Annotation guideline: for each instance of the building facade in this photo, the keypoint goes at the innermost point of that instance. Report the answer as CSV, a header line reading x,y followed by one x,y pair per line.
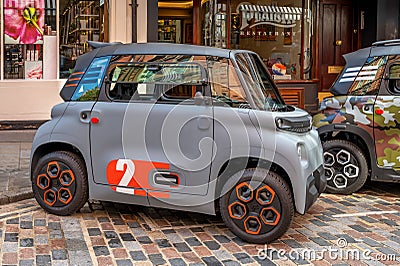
x,y
300,41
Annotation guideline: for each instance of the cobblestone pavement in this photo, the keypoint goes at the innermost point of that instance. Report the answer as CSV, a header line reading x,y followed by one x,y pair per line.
x,y
119,234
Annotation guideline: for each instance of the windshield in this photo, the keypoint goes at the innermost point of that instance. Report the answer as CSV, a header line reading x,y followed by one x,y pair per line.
x,y
263,93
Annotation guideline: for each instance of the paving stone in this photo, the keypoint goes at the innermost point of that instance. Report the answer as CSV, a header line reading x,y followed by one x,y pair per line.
x,y
94,231
144,240
193,241
41,240
43,260
101,251
359,228
59,254
115,243
40,222
222,239
157,259
26,263
211,261
124,263
9,247
292,243
177,262
163,243
320,241
371,242
182,247
110,234
75,244
127,237
26,225
212,245
137,255
26,242
79,257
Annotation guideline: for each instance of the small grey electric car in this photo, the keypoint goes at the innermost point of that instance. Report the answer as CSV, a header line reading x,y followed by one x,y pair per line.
x,y
184,127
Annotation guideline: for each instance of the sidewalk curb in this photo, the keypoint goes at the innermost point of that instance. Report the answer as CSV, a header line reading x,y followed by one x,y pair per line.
x,y
16,197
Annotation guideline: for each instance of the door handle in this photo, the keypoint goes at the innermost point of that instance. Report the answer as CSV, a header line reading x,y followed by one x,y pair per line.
x,y
368,109
84,116
338,42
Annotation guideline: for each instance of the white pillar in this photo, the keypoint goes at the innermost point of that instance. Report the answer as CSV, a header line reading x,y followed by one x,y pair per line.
x,y
142,21
120,23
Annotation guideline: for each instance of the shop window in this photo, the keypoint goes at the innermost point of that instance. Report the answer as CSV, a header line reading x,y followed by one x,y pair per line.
x,y
271,29
169,30
28,36
80,22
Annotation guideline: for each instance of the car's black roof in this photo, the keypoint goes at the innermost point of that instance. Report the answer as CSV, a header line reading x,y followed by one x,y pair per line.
x,y
161,48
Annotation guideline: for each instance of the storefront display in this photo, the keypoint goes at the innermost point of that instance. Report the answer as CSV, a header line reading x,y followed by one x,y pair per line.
x,y
80,23
169,30
26,23
272,30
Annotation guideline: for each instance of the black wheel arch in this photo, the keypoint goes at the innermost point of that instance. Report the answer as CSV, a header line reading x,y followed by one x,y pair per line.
x,y
356,135
232,166
51,147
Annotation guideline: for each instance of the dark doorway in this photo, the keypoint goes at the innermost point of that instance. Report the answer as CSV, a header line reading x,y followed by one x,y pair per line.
x,y
338,35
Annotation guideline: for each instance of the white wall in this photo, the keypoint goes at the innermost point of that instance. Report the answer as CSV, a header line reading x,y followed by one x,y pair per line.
x,y
120,21
28,99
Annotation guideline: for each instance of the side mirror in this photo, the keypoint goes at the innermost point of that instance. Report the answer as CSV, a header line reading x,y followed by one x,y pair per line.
x,y
198,98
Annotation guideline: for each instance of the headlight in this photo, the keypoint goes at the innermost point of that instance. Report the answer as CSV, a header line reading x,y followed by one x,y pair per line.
x,y
302,153
295,124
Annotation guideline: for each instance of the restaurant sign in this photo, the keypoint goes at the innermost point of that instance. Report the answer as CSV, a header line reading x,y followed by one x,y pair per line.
x,y
255,15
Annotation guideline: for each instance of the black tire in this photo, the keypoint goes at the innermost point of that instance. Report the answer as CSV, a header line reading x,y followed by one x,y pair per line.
x,y
59,183
282,202
344,184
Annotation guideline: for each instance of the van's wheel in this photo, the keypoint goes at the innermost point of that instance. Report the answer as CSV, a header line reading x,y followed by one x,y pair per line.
x,y
259,208
346,168
59,183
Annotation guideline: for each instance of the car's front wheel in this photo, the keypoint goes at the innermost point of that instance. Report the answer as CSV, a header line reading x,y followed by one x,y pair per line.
x,y
346,168
259,208
59,183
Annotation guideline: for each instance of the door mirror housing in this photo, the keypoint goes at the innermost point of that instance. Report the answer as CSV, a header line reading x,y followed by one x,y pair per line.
x,y
198,98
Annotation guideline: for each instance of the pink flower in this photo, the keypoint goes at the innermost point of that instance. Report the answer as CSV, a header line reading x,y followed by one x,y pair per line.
x,y
24,19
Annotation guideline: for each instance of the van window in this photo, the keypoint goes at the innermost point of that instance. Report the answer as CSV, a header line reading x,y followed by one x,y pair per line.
x,y
394,79
368,79
155,82
89,86
226,89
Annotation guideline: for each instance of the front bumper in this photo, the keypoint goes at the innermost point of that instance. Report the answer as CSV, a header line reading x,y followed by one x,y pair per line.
x,y
316,184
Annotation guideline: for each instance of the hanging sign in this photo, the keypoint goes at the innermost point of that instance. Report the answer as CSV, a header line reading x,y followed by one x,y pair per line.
x,y
254,15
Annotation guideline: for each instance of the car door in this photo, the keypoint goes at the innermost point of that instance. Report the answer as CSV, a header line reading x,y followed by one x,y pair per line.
x,y
153,137
387,117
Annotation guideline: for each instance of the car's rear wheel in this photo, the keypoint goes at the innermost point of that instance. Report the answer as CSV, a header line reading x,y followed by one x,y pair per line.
x,y
346,168
259,208
59,183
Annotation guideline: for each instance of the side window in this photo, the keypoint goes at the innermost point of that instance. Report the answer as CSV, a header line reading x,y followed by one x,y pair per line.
x,y
225,85
394,78
368,79
154,82
89,86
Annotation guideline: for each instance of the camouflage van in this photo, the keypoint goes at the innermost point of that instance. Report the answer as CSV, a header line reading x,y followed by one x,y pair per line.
x,y
360,125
